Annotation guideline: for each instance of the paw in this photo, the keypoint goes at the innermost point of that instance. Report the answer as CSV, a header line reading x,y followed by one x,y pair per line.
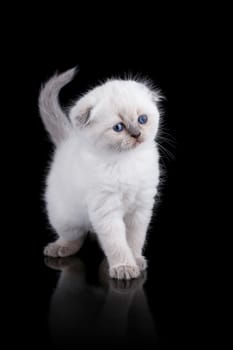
x,y
56,250
126,272
141,262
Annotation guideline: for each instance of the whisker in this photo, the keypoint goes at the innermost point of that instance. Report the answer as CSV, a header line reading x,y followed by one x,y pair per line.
x,y
167,135
165,140
166,152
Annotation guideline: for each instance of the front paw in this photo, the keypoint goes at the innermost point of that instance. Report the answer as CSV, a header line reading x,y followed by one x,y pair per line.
x,y
56,250
141,262
126,272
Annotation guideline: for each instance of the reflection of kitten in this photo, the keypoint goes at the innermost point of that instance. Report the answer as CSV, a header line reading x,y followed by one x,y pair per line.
x,y
105,171
83,313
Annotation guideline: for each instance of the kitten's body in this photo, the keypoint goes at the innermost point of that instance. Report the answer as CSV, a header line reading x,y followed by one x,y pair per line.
x,y
101,180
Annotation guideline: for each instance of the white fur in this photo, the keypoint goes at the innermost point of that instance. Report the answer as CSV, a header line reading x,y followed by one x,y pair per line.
x,y
103,181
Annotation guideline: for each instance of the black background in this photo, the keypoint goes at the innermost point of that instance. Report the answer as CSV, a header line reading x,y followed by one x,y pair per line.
x,y
168,55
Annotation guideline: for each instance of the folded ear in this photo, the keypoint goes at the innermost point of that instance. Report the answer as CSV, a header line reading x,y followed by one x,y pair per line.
x,y
83,117
80,114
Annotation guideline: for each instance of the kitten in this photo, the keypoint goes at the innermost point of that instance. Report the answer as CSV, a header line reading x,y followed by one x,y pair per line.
x,y
105,170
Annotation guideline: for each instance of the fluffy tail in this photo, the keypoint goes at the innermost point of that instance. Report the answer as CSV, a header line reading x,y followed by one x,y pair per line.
x,y
55,120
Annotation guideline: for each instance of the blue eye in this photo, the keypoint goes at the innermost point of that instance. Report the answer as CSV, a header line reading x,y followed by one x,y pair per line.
x,y
118,127
142,119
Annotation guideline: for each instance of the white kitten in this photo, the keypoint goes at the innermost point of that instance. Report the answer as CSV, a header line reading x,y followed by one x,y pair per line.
x,y
105,171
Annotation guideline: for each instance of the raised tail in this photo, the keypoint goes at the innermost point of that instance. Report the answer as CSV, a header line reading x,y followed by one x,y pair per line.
x,y
54,118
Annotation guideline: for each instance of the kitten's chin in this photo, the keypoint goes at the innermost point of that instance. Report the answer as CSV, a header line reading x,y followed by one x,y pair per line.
x,y
125,146
134,144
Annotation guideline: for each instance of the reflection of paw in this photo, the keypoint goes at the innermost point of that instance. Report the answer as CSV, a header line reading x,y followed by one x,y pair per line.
x,y
60,263
57,250
127,286
124,272
141,262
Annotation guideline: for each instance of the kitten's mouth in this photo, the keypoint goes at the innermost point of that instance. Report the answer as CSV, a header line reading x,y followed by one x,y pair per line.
x,y
137,142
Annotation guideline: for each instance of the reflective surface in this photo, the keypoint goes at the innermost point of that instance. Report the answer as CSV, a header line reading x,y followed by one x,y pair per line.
x,y
97,311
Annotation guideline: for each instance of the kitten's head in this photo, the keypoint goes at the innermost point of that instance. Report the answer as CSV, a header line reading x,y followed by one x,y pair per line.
x,y
118,115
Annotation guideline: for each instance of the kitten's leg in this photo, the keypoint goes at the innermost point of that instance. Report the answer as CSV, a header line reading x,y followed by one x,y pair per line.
x,y
112,238
69,242
110,228
137,224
